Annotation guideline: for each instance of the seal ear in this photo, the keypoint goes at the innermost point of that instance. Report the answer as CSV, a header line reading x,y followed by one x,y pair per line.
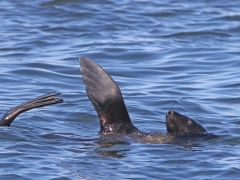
x,y
104,93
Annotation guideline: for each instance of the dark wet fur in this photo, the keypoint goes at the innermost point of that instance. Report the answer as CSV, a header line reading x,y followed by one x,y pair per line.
x,y
120,128
44,100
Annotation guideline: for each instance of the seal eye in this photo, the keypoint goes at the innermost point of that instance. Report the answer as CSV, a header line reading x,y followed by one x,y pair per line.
x,y
189,122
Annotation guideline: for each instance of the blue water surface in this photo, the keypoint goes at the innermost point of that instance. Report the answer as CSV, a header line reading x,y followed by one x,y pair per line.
x,y
180,55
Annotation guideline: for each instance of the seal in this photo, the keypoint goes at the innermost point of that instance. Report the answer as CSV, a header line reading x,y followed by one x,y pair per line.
x,y
44,100
108,102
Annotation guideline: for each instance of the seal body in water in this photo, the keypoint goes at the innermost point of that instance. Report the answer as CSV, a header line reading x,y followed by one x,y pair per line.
x,y
108,102
44,100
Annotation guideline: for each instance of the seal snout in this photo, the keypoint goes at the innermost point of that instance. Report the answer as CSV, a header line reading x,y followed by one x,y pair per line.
x,y
169,123
170,113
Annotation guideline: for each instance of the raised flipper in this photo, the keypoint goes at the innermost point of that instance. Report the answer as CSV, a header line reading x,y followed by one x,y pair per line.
x,y
44,100
106,98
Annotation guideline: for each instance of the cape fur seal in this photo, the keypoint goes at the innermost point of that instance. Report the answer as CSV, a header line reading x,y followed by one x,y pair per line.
x,y
108,102
44,100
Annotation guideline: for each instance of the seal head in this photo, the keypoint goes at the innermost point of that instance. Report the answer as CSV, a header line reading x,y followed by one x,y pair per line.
x,y
178,123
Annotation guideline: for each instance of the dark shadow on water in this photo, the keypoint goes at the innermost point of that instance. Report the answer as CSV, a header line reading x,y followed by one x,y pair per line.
x,y
114,151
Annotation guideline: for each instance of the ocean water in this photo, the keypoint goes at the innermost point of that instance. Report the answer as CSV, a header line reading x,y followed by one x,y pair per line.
x,y
180,55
